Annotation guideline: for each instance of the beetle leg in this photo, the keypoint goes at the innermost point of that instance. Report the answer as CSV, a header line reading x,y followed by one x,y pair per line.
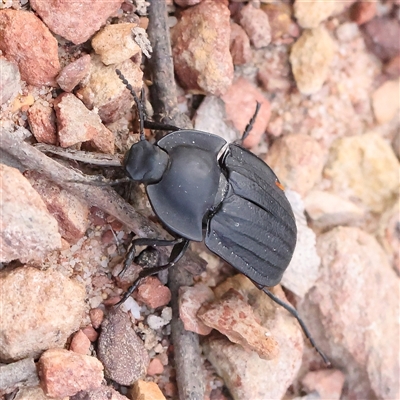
x,y
299,320
130,255
160,127
179,249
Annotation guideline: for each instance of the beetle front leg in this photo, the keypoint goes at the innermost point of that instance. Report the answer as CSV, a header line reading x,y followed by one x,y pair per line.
x,y
179,249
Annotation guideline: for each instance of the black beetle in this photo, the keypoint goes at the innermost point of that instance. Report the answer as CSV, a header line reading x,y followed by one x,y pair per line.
x,y
203,188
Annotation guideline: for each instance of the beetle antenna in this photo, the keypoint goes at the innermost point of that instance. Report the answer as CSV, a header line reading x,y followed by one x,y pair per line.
x,y
299,320
249,126
139,103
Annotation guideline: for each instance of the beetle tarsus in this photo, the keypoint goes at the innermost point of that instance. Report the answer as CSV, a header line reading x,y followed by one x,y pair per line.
x,y
299,320
179,249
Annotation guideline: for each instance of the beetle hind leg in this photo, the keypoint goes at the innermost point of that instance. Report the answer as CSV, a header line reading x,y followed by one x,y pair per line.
x,y
299,320
179,249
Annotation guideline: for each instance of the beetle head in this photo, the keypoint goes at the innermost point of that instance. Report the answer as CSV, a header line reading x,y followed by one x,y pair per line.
x,y
145,162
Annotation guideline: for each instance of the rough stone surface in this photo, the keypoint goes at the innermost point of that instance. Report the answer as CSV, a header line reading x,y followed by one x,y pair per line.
x,y
246,375
190,300
311,57
51,306
327,383
146,391
386,101
239,45
256,24
26,40
18,375
115,44
80,343
200,48
382,37
389,234
282,26
363,169
114,98
71,213
357,290
310,13
234,318
302,271
153,293
101,393
65,18
65,373
32,393
77,124
298,161
240,104
10,81
28,231
327,210
120,350
42,122
74,73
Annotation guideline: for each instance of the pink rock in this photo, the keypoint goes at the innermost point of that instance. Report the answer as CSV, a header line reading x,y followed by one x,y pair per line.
x,y
77,124
153,293
234,318
200,47
36,52
328,383
90,332
240,104
96,317
74,73
27,230
71,213
386,101
190,300
357,289
73,22
239,45
246,375
52,306
80,343
114,99
42,122
363,11
280,21
155,367
65,373
382,37
297,160
256,24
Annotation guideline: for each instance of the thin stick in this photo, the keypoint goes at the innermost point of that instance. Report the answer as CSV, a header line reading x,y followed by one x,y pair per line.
x,y
188,363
